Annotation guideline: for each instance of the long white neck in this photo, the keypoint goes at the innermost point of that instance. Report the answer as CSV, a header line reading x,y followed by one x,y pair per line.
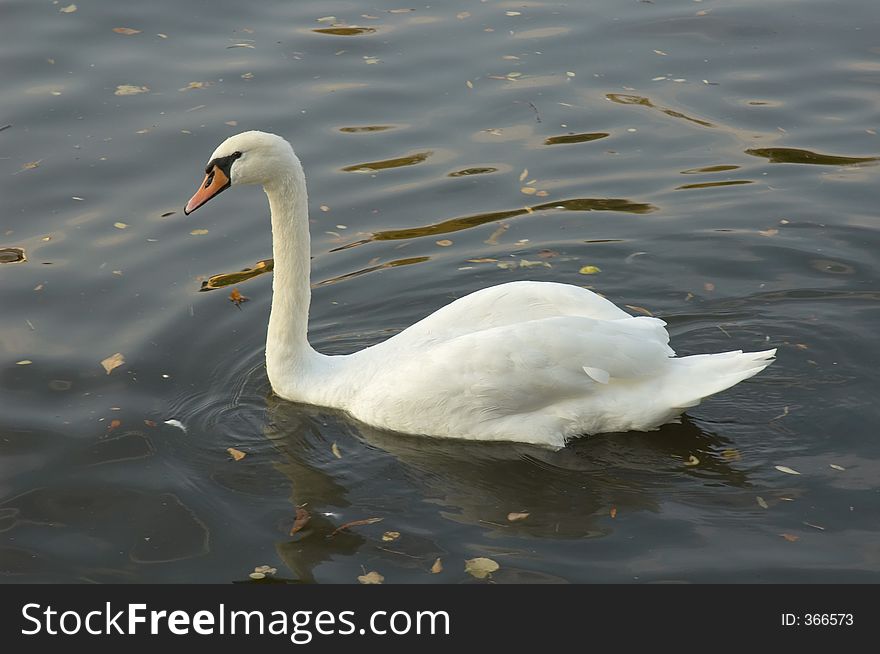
x,y
290,360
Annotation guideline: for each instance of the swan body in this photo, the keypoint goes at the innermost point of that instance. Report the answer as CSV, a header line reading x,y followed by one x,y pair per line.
x,y
535,362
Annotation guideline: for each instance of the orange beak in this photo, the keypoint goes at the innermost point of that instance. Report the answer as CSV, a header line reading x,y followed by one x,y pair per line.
x,y
215,182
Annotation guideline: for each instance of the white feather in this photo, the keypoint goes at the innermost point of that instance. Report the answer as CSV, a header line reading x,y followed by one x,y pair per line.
x,y
536,362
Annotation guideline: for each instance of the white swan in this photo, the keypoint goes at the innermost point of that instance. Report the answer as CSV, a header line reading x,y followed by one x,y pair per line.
x,y
535,362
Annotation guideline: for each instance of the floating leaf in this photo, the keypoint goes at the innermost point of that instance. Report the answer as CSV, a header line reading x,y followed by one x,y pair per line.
x,y
528,190
589,270
787,470
444,243
114,424
30,165
389,536
371,578
195,85
790,537
524,174
437,568
126,30
69,9
120,225
480,567
150,423
237,298
638,309
176,423
769,232
692,461
301,520
257,575
130,89
237,455
613,512
513,516
837,467
761,502
355,523
24,362
112,362
266,570
335,449
199,232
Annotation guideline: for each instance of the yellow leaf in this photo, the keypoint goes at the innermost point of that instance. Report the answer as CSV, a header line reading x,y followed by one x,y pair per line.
x,y
638,309
120,225
528,190
590,270
437,568
238,455
112,362
390,535
130,89
69,9
335,449
692,461
480,567
199,232
371,578
444,243
24,362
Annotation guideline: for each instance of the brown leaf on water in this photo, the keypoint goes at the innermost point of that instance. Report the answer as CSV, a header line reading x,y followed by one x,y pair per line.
x,y
513,516
790,537
548,254
150,423
437,568
114,424
638,309
613,512
112,362
493,239
237,298
372,577
237,455
355,523
128,31
301,520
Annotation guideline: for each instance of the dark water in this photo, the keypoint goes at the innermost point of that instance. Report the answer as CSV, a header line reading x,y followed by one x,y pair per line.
x,y
713,160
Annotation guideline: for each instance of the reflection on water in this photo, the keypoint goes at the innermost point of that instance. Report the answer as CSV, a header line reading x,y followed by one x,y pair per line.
x,y
794,155
623,98
568,493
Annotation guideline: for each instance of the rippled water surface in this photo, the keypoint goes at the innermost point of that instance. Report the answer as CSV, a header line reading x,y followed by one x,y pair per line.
x,y
715,161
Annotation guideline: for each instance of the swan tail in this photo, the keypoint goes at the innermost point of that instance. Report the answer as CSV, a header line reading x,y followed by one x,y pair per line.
x,y
696,377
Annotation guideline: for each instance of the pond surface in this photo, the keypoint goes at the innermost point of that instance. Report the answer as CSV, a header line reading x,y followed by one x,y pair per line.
x,y
713,162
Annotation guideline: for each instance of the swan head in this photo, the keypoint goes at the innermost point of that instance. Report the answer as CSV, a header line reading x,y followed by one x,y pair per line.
x,y
246,158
